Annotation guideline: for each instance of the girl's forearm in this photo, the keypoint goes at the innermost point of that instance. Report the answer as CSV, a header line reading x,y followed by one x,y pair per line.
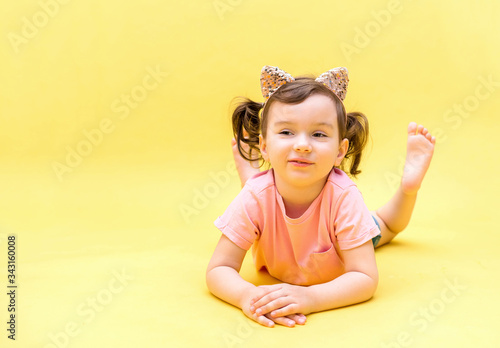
x,y
348,289
226,283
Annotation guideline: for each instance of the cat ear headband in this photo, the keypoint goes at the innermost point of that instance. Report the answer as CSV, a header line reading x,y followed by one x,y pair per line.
x,y
272,78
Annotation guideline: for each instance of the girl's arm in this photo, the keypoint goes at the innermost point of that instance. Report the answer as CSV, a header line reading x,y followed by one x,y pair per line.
x,y
357,284
223,278
225,282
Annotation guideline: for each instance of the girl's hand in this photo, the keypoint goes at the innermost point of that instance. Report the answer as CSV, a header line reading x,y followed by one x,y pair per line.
x,y
282,300
266,319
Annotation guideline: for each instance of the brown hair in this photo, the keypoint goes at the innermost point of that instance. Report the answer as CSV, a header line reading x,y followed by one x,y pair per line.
x,y
353,125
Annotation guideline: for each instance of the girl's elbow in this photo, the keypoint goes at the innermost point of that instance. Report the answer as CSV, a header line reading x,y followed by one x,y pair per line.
x,y
372,288
374,280
211,280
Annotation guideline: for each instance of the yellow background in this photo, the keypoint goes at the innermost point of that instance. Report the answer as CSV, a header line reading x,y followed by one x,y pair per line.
x,y
64,67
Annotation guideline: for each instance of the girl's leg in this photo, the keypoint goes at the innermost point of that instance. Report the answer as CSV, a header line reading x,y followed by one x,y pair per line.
x,y
395,215
245,169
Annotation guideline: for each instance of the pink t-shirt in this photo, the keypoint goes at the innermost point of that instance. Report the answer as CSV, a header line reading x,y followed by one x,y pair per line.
x,y
306,250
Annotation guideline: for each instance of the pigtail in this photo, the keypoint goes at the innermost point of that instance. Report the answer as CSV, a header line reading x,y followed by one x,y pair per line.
x,y
246,128
357,133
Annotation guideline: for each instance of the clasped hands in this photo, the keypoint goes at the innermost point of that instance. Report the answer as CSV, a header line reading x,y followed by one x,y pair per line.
x,y
284,304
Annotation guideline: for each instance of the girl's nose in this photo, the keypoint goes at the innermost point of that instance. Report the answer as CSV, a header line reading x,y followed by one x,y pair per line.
x,y
302,144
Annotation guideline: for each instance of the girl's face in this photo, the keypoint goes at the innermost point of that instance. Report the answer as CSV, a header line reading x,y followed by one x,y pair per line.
x,y
302,141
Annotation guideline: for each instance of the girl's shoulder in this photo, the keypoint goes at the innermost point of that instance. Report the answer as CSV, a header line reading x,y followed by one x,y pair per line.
x,y
260,182
340,179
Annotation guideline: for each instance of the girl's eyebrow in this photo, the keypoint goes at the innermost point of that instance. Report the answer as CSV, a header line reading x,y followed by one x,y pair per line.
x,y
282,123
286,123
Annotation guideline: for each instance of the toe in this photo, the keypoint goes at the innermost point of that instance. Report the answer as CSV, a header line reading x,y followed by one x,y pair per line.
x,y
412,128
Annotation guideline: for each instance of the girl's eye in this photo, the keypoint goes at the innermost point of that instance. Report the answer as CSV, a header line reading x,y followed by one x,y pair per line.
x,y
285,132
319,135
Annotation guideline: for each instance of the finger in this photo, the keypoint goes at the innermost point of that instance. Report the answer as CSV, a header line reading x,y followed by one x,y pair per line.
x,y
284,310
260,295
267,298
263,320
270,288
279,307
264,300
262,308
261,299
298,318
284,321
266,290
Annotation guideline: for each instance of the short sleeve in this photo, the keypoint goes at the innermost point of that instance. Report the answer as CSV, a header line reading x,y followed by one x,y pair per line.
x,y
240,221
353,223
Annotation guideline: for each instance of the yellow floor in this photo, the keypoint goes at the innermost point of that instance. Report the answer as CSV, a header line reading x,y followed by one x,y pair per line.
x,y
115,161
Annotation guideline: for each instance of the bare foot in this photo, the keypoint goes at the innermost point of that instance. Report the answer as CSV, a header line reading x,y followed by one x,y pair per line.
x,y
245,168
419,151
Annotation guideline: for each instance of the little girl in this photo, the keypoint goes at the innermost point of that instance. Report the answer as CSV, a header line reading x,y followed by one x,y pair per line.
x,y
305,218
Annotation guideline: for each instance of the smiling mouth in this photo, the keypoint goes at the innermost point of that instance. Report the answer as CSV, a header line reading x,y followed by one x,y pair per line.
x,y
299,163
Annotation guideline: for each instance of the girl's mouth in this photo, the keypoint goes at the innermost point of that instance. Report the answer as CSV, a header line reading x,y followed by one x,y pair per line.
x,y
300,163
